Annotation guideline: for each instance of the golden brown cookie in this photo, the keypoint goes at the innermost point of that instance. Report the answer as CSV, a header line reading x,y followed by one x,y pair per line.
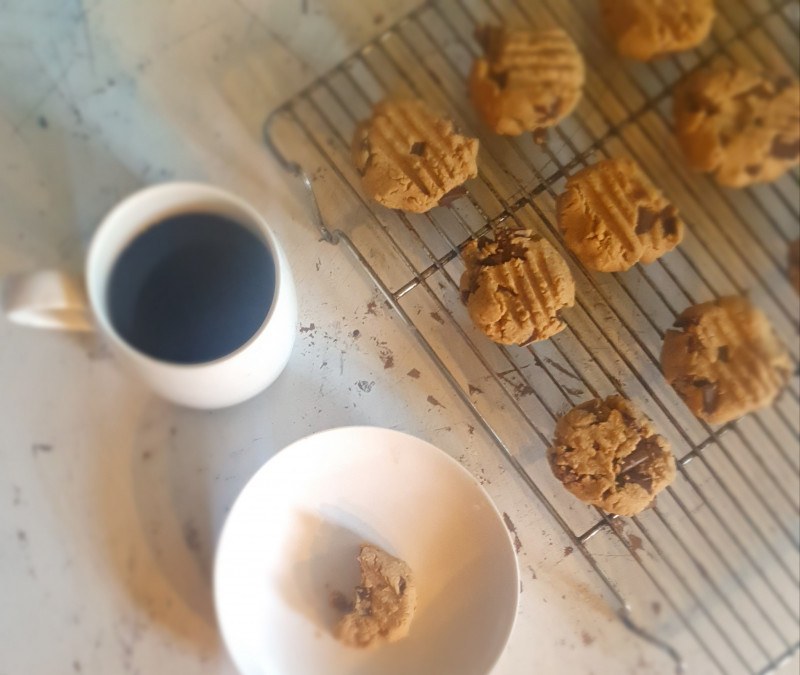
x,y
644,29
409,157
525,80
740,125
613,217
794,265
385,601
724,359
515,287
607,453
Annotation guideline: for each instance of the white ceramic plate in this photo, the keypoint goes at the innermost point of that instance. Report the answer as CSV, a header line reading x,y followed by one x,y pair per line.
x,y
292,539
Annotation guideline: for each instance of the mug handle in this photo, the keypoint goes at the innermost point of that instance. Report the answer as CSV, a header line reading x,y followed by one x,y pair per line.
x,y
47,299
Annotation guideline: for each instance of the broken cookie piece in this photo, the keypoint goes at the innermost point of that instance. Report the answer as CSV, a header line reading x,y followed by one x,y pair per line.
x,y
385,600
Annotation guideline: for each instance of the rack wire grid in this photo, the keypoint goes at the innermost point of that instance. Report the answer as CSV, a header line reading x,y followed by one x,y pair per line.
x,y
711,573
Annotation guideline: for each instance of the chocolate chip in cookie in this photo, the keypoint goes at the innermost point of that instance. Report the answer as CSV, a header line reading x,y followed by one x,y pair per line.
x,y
613,217
740,125
515,287
525,80
724,359
606,452
409,157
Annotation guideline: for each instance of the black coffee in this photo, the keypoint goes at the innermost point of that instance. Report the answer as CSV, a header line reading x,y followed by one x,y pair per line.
x,y
192,288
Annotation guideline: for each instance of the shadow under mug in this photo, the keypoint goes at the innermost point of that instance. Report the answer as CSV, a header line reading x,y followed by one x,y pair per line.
x,y
51,299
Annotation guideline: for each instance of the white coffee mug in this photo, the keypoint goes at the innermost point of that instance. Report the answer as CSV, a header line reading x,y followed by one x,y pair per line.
x,y
51,299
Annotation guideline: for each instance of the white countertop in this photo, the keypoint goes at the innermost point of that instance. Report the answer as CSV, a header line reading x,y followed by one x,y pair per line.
x,y
110,500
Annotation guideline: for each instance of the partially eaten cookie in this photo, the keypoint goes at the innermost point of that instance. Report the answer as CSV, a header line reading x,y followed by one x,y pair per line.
x,y
385,600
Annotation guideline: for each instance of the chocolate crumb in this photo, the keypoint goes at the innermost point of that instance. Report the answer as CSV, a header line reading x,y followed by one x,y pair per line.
x,y
722,354
418,148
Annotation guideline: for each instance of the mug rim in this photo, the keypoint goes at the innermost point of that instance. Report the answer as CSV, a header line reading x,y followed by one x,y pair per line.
x,y
99,310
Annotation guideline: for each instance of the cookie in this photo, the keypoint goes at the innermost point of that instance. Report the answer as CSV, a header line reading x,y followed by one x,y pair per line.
x,y
515,287
613,217
739,125
607,453
794,265
724,359
525,81
385,601
644,29
409,157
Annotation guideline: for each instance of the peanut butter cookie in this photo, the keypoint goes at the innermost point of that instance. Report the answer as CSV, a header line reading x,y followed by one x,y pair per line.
x,y
607,453
526,81
614,217
515,287
739,125
724,359
644,29
409,157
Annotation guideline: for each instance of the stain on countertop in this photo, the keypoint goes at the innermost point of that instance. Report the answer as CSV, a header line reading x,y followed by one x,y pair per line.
x,y
513,530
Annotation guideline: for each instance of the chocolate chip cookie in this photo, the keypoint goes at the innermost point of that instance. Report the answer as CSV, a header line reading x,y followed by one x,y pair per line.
x,y
525,81
613,217
794,265
385,601
607,453
409,157
515,287
724,359
644,29
739,125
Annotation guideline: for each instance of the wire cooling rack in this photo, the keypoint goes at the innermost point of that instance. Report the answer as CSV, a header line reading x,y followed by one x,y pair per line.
x,y
712,572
